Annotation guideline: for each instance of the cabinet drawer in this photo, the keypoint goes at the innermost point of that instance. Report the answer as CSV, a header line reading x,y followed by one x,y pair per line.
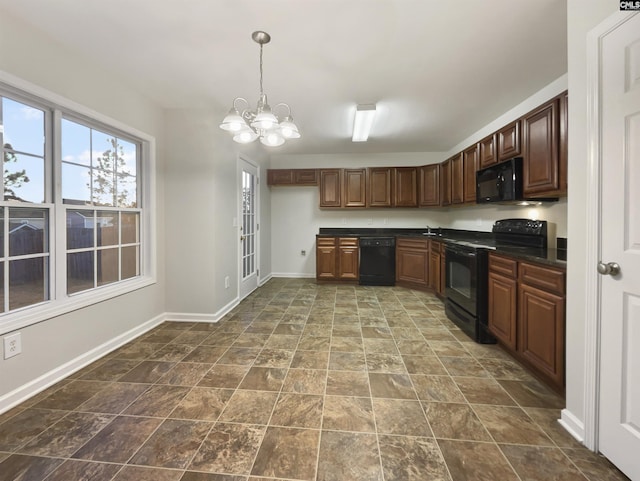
x,y
436,247
326,241
543,277
503,265
411,243
348,241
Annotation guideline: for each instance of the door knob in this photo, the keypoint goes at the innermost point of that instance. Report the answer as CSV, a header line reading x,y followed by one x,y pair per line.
x,y
610,268
242,238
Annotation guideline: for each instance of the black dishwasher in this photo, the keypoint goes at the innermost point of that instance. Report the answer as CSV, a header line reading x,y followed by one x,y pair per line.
x,y
377,261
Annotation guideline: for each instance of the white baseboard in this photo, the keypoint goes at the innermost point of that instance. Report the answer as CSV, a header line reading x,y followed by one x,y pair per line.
x,y
294,275
30,389
572,424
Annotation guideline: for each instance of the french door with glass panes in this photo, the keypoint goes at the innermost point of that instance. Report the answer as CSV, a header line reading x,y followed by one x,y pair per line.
x,y
248,227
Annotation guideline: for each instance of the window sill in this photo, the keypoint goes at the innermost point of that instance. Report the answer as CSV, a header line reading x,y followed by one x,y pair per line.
x,y
33,315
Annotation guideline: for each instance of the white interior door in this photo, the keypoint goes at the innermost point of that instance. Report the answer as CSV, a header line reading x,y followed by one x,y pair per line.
x,y
619,412
249,226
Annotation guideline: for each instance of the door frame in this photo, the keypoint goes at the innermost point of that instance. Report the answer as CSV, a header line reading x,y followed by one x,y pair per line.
x,y
593,280
243,158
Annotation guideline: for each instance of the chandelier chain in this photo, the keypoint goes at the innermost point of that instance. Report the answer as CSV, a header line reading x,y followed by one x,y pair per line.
x,y
261,91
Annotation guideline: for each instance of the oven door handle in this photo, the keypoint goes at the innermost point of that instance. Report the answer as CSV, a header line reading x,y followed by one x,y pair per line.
x,y
461,253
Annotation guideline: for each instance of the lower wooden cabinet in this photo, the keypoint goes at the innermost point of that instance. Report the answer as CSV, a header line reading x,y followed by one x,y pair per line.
x,y
412,262
337,259
434,271
526,313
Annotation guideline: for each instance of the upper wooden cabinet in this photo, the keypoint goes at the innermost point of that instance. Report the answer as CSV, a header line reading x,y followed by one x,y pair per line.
x,y
540,166
445,183
355,188
405,192
508,139
457,179
564,141
331,188
470,162
488,151
380,182
292,177
429,188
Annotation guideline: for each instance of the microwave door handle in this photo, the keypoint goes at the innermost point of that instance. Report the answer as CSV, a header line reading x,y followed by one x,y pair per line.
x,y
500,185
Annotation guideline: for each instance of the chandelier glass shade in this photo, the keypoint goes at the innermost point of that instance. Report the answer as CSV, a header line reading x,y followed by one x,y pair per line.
x,y
247,125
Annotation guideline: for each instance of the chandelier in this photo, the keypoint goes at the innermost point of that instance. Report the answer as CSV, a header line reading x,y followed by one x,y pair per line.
x,y
260,123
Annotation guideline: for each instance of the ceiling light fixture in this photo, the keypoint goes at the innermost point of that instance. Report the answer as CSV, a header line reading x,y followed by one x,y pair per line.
x,y
260,123
365,115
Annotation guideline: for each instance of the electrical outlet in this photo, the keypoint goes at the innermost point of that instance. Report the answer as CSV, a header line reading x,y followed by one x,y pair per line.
x,y
12,345
303,253
369,221
385,221
226,282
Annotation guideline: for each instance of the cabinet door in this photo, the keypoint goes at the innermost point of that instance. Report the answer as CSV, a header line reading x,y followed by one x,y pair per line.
x,y
434,271
443,273
502,308
279,177
457,179
540,167
326,261
412,265
488,152
445,183
508,139
564,139
348,265
330,188
406,187
470,162
541,331
305,176
430,185
380,192
355,181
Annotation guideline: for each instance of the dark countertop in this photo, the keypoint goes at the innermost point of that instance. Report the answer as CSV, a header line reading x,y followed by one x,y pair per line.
x,y
551,257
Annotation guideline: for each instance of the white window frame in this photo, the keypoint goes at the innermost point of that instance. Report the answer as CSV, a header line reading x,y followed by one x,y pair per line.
x,y
60,302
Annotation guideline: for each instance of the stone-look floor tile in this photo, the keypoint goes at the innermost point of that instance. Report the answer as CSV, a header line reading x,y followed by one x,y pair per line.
x,y
223,339
376,333
396,416
381,346
455,421
185,374
347,344
119,440
483,391
342,413
25,425
448,349
72,470
347,361
595,466
147,372
229,448
409,458
250,341
437,388
240,356
487,351
249,407
276,341
473,461
535,463
288,329
202,403
287,453
173,444
205,354
305,381
139,350
314,343
157,401
429,365
414,348
298,411
263,379
395,386
274,358
261,327
511,425
67,435
400,333
190,337
310,360
532,394
114,398
19,467
547,419
138,473
110,370
72,395
438,334
224,376
463,366
505,369
349,456
348,383
161,335
171,353
317,330
382,362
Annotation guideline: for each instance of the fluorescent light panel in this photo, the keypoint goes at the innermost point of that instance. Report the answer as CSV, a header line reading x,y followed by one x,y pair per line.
x,y
365,115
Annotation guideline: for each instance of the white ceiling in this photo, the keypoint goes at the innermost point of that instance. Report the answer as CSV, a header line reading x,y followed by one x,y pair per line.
x,y
438,69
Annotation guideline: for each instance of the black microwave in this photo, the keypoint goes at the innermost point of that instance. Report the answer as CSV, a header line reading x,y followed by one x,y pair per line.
x,y
500,183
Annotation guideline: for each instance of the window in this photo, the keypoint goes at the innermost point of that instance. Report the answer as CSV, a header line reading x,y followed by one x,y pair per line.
x,y
73,222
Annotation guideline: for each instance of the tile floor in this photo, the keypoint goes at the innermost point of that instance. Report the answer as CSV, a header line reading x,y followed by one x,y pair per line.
x,y
300,382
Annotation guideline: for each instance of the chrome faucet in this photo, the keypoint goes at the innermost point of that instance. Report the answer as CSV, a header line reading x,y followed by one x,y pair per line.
x,y
428,230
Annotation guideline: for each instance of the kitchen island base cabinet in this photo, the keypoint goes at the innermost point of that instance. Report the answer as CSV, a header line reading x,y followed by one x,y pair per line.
x,y
337,259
